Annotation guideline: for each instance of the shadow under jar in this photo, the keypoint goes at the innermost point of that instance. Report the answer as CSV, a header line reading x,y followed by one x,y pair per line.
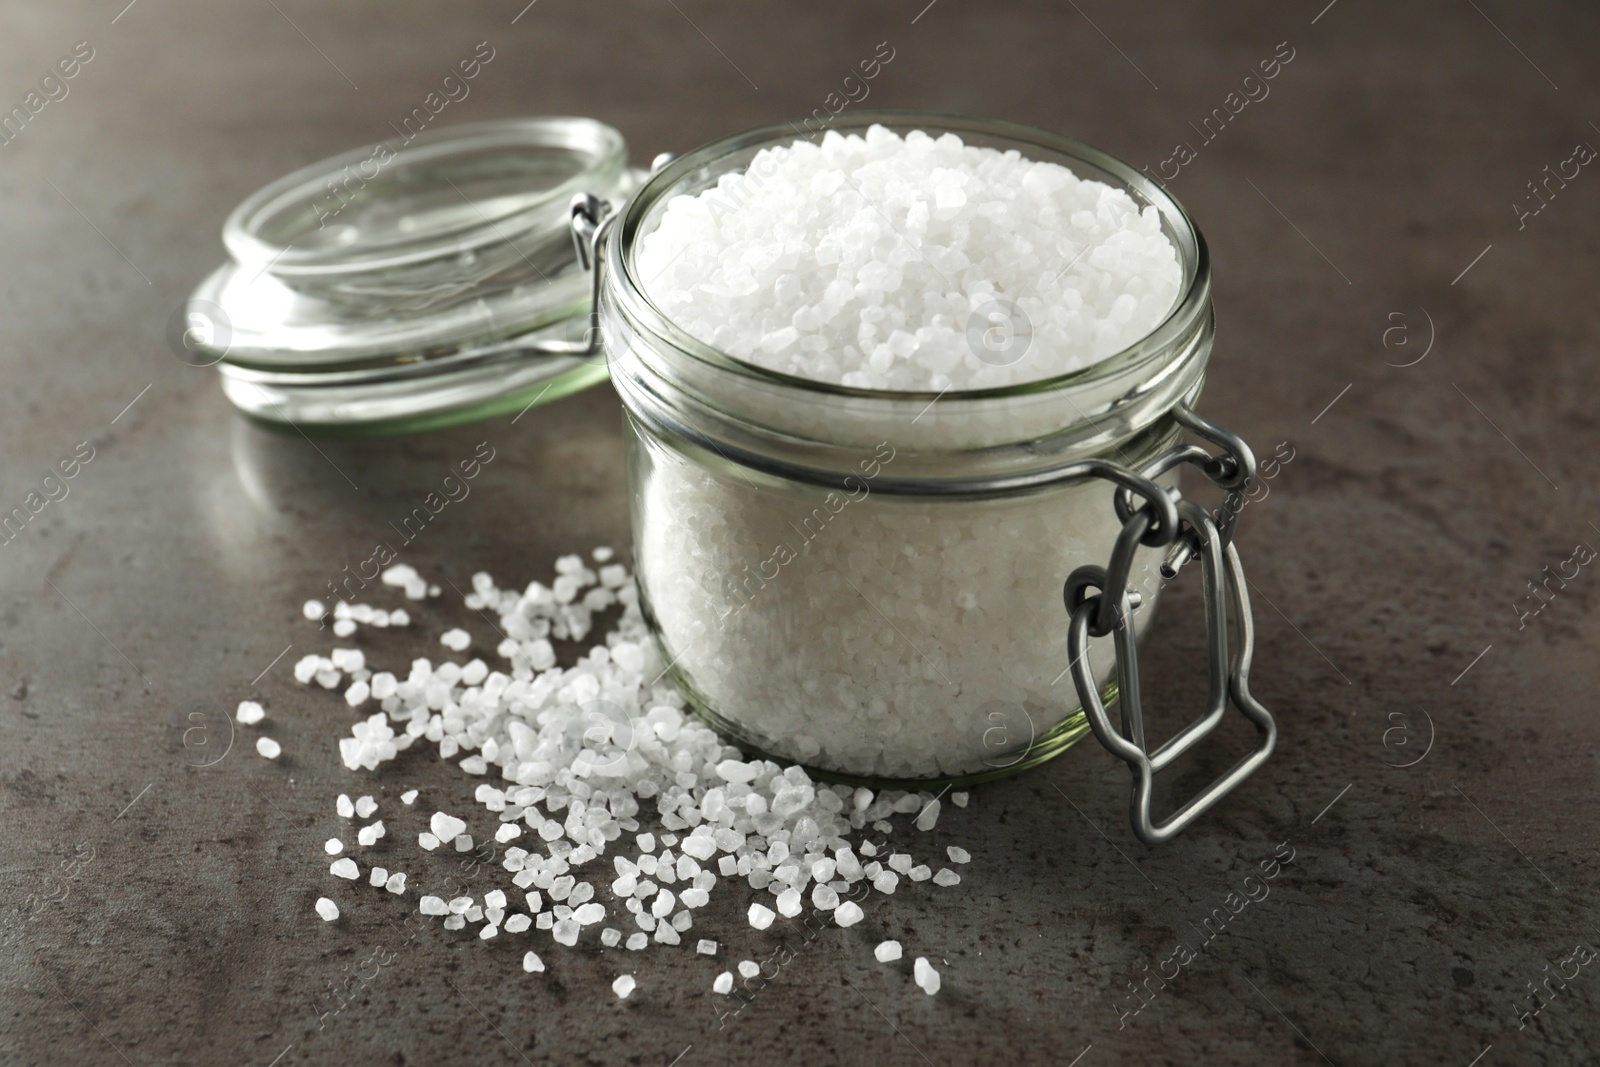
x,y
869,582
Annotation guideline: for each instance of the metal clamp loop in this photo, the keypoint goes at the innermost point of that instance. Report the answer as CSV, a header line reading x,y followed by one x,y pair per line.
x,y
1099,604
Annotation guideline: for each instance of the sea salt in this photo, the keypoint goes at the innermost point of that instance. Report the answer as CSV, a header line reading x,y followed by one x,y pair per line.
x,y
623,986
887,951
946,877
250,712
723,983
531,730
345,868
891,264
269,748
532,963
333,846
908,237
327,909
926,977
958,854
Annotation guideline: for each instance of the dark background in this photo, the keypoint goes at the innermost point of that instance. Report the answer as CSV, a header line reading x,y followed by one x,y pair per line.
x,y
1372,190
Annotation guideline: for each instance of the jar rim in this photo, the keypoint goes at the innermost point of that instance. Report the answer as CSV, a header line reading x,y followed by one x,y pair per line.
x,y
1194,256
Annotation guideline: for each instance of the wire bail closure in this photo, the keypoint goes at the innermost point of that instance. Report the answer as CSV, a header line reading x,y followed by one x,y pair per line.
x,y
1100,604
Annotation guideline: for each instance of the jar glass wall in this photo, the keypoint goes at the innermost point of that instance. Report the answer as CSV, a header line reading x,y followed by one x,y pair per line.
x,y
869,583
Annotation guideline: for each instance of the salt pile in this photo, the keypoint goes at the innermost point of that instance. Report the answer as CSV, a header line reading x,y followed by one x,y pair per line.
x,y
580,753
861,261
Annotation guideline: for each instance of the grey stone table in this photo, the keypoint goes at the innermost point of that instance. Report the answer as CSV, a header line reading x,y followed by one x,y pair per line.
x,y
1390,304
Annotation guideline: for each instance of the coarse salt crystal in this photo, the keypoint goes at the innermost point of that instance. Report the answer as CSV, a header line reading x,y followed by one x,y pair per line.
x,y
377,876
327,909
345,868
250,712
446,827
958,854
333,846
409,797
369,835
344,807
761,916
365,806
887,951
848,914
623,986
749,968
705,947
428,841
926,977
723,983
532,963
946,877
396,883
269,748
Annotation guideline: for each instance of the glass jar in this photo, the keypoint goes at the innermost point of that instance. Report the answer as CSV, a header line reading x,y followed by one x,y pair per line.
x,y
868,583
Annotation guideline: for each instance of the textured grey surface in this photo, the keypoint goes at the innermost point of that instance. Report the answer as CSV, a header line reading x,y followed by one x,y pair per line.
x,y
1386,560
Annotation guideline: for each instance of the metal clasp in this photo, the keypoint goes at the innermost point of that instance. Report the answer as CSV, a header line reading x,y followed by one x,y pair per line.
x,y
1100,604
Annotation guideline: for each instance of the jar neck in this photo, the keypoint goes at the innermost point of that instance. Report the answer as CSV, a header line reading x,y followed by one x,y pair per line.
x,y
975,441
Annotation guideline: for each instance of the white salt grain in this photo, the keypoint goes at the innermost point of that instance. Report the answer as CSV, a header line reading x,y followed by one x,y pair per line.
x,y
428,841
848,914
761,916
958,854
377,876
446,827
396,883
368,836
723,983
638,941
959,799
431,905
749,968
457,640
333,846
250,712
365,806
705,947
926,977
516,924
887,951
610,937
623,986
409,797
313,610
920,873
343,806
929,816
269,748
946,877
532,963
327,909
345,868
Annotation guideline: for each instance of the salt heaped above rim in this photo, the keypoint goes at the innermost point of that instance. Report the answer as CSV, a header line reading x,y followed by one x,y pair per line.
x,y
911,263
